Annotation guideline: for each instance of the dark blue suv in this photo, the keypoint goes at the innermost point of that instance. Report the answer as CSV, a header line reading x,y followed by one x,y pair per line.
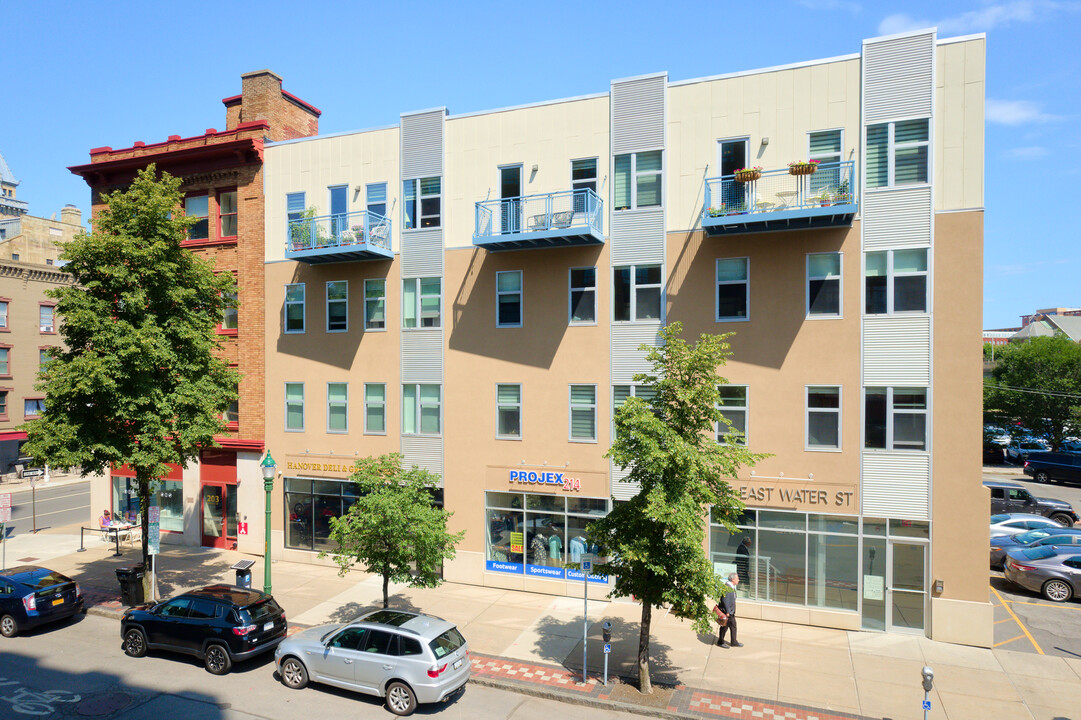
x,y
32,595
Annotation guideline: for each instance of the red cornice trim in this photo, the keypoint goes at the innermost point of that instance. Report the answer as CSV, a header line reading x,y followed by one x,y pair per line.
x,y
229,443
12,435
305,105
231,99
230,153
177,139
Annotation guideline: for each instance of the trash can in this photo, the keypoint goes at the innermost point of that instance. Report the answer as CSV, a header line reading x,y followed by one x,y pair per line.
x,y
131,584
243,578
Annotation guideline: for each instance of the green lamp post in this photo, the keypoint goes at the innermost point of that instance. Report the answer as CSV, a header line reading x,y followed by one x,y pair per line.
x,y
268,484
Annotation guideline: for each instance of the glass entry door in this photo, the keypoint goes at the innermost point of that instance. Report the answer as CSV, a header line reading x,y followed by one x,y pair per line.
x,y
732,156
906,589
219,515
510,192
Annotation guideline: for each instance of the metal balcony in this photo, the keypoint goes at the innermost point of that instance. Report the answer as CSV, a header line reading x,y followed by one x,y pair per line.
x,y
348,237
561,219
779,201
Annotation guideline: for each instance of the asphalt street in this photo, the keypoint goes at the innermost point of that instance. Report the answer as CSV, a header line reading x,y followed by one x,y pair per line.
x,y
77,669
55,506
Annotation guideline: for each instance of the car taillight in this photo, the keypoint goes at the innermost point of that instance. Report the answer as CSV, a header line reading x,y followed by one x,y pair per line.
x,y
30,603
78,590
243,630
996,548
1026,464
1018,566
434,671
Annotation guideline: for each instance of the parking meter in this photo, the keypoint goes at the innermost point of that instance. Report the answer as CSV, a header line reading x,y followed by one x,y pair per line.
x,y
606,631
928,678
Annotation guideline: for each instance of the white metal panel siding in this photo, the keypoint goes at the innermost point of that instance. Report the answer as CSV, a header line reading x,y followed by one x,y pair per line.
x,y
422,356
897,218
424,452
638,114
637,236
627,359
622,490
422,253
422,144
896,485
897,351
898,78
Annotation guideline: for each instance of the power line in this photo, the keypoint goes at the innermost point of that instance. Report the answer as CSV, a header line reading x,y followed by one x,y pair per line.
x,y
1050,393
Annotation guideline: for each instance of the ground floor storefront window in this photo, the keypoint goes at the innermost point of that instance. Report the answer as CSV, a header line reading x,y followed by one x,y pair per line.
x,y
309,506
169,496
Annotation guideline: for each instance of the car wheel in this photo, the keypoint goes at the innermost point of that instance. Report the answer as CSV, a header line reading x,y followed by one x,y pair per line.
x,y
1043,477
8,626
1063,520
294,674
1057,590
217,660
134,643
400,699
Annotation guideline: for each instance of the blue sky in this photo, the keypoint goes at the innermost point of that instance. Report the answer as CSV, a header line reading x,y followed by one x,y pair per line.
x,y
82,75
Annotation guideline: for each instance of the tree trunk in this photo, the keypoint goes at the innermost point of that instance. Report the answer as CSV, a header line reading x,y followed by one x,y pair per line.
x,y
386,587
644,685
144,521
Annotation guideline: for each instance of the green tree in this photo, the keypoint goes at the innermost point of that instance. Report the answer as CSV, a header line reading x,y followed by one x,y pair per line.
x,y
655,540
141,381
1037,383
393,529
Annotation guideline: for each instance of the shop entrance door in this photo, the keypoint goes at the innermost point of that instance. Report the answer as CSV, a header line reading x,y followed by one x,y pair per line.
x,y
906,587
219,516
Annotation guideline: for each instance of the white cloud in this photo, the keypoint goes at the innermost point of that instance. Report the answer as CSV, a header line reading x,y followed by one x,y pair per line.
x,y
1015,112
986,18
1028,153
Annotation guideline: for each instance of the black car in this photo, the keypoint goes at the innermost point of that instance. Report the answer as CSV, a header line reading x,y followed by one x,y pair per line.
x,y
1009,497
219,624
1054,466
32,595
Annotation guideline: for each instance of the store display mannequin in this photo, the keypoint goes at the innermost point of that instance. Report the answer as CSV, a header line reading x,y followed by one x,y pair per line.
x,y
539,546
577,547
555,548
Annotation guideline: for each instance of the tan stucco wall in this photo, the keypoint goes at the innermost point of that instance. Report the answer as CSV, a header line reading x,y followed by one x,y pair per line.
x,y
959,126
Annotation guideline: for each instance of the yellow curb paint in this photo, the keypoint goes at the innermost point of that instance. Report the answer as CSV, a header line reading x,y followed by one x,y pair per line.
x,y
1019,623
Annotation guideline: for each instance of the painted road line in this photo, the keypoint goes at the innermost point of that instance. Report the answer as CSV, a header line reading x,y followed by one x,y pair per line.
x,y
1019,623
1003,619
1062,606
1004,642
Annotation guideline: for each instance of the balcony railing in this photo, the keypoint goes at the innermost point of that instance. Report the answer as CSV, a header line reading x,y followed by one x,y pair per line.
x,y
560,219
361,235
779,200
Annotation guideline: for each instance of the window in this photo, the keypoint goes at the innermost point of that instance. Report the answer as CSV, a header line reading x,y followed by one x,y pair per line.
x,y
376,197
733,405
3,403
637,180
375,408
826,147
294,407
44,356
508,293
583,296
45,313
824,284
421,409
337,407
583,177
896,281
339,207
636,293
895,418
14,256
294,308
508,412
375,304
733,289
583,413
897,153
229,309
421,297
428,191
33,407
620,393
309,505
294,206
197,206
3,315
337,306
5,361
232,413
823,418
227,214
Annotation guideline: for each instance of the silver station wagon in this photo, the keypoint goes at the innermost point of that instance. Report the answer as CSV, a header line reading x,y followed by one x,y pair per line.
x,y
405,657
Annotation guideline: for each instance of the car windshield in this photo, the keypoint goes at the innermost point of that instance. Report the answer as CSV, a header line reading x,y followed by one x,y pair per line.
x,y
1031,445
447,643
995,519
1031,536
1039,553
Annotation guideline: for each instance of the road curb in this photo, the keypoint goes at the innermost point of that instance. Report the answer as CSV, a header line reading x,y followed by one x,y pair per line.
x,y
543,692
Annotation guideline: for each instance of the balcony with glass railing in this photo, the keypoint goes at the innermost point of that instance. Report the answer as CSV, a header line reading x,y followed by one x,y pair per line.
x,y
547,220
362,235
778,200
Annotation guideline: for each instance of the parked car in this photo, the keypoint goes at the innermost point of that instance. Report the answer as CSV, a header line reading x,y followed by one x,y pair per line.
x,y
32,596
1046,537
995,435
1019,448
405,657
1014,523
1009,497
1053,466
1054,574
219,624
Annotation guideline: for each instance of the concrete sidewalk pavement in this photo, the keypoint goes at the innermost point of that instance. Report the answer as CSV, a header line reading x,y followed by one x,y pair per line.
x,y
533,643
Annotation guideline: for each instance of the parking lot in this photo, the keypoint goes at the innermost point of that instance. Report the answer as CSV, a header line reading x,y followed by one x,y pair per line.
x,y
1024,621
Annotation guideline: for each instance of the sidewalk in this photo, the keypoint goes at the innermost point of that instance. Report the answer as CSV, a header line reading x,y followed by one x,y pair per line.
x,y
533,644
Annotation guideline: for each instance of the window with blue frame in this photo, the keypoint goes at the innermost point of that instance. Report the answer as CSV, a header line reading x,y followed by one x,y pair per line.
x,y
377,198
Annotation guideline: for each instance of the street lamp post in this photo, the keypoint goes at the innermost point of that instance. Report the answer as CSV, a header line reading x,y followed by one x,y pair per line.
x,y
269,468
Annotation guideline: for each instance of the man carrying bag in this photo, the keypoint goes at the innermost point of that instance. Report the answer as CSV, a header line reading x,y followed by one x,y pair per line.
x,y
725,611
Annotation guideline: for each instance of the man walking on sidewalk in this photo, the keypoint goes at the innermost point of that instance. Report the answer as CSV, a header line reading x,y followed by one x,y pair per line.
x,y
728,603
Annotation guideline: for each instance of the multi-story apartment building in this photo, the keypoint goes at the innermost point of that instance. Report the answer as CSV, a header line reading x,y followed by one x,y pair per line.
x,y
472,291
10,204
222,181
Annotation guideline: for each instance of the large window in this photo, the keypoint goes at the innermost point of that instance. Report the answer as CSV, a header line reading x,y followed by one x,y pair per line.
x,y
620,393
4,404
733,406
294,407
637,180
583,413
198,207
823,418
583,296
309,506
337,306
45,317
376,197
168,495
294,206
421,201
375,304
375,408
508,297
824,285
229,315
227,226
421,298
733,289
294,308
825,146
5,361
895,418
33,407
3,315
337,407
636,293
508,412
583,177
422,407
896,281
897,153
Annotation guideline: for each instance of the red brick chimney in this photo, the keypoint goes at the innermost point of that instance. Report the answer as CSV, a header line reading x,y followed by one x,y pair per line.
x,y
262,98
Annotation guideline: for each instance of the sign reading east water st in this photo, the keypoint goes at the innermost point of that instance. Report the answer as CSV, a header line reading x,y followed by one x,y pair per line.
x,y
532,477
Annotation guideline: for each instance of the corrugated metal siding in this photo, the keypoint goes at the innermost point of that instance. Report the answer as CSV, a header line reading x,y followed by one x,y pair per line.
x,y
637,236
627,359
897,218
897,78
897,351
422,356
422,253
638,114
424,452
896,485
622,490
422,144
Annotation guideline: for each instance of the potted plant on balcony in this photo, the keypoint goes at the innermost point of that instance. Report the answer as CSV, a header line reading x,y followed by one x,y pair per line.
x,y
748,174
842,195
802,167
716,211
357,233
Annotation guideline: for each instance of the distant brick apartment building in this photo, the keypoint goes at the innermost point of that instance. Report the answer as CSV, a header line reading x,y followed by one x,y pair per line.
x,y
222,182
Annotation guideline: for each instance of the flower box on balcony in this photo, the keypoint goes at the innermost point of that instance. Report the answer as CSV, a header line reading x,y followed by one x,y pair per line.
x,y
748,174
802,167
